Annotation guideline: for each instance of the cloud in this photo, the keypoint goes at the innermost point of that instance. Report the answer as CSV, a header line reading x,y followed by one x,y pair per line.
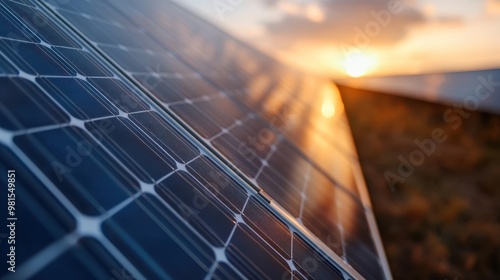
x,y
340,21
448,20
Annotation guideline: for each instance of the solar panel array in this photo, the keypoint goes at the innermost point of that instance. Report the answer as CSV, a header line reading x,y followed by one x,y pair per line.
x,y
148,144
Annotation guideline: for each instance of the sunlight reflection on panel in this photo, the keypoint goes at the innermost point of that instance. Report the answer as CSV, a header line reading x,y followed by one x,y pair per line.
x,y
318,131
297,145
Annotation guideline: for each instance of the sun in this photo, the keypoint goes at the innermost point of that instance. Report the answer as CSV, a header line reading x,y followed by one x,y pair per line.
x,y
358,64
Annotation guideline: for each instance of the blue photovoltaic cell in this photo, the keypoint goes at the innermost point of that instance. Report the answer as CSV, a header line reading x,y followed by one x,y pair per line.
x,y
224,272
119,94
78,97
159,87
157,242
321,212
141,155
206,127
271,229
96,31
102,31
288,197
42,26
36,211
236,151
312,265
97,9
84,63
200,208
191,87
281,163
23,105
249,135
284,180
222,111
214,179
6,67
253,258
165,136
25,2
86,260
67,156
144,62
36,59
10,28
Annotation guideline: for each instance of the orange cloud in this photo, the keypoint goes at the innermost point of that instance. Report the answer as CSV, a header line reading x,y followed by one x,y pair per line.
x,y
341,21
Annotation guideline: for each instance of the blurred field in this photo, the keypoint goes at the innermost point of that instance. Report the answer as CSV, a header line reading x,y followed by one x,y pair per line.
x,y
443,221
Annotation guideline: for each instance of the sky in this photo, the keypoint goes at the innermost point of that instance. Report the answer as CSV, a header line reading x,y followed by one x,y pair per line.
x,y
351,38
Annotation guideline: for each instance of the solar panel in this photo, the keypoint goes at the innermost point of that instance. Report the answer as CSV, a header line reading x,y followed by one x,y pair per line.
x,y
153,146
472,90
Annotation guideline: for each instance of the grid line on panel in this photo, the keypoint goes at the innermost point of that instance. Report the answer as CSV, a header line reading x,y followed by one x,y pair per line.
x,y
118,67
61,198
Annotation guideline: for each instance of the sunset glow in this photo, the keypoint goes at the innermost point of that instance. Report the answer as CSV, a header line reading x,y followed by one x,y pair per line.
x,y
425,37
358,64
